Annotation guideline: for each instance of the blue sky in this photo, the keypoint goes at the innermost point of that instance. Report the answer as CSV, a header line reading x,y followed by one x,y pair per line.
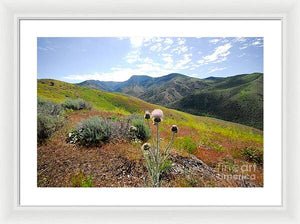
x,y
117,59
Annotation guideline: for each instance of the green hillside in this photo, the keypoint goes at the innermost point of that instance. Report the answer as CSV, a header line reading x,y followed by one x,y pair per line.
x,y
58,92
238,99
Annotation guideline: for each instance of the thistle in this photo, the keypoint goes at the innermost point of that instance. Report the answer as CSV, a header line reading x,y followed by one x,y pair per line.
x,y
156,157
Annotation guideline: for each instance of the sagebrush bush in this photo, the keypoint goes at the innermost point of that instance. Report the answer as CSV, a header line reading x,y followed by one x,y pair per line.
x,y
186,143
46,125
93,130
49,118
143,131
77,104
49,107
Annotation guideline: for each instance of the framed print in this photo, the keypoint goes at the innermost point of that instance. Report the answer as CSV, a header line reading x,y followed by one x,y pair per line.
x,y
139,111
150,107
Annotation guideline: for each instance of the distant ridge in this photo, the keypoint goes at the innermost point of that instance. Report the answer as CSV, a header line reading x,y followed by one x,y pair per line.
x,y
212,78
237,98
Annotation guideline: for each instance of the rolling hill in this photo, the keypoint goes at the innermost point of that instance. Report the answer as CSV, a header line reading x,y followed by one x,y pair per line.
x,y
238,98
211,140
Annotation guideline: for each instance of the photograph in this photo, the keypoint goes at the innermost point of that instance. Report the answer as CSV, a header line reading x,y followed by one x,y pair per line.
x,y
142,111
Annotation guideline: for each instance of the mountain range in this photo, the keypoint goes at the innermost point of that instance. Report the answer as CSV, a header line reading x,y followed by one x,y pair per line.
x,y
237,98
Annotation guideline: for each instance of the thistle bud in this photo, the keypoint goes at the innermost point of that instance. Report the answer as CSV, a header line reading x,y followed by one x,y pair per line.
x,y
157,120
174,128
146,146
147,115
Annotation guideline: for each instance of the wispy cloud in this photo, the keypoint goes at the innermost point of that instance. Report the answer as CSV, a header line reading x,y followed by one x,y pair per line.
x,y
136,41
133,56
214,41
156,47
258,42
219,55
169,41
156,56
180,49
182,64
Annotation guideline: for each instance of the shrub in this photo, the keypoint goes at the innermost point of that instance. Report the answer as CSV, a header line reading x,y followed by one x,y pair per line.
x,y
49,118
93,131
186,143
143,131
120,130
46,125
48,107
77,104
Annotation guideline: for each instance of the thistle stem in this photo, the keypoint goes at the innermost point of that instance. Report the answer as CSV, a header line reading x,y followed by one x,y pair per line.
x,y
157,154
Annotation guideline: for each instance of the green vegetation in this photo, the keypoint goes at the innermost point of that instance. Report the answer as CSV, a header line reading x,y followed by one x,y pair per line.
x,y
125,106
238,99
93,131
211,140
81,180
253,155
76,104
50,117
185,143
61,91
143,131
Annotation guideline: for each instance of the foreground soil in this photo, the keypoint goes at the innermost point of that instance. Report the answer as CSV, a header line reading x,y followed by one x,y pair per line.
x,y
120,164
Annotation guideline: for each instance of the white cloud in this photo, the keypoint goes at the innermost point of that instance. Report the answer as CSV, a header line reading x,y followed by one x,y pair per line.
x,y
166,48
244,47
136,41
166,54
214,41
180,41
180,49
157,39
240,39
169,63
133,56
182,64
220,54
156,47
256,43
147,60
168,59
169,41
